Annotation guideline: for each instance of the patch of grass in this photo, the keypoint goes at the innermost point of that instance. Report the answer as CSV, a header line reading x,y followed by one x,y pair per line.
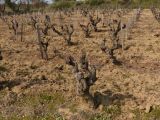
x,y
109,113
58,99
14,117
28,100
153,115
46,117
42,104
1,117
58,117
102,116
48,99
113,110
73,108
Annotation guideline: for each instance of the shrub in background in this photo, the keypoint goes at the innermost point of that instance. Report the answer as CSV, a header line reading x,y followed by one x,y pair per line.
x,y
63,4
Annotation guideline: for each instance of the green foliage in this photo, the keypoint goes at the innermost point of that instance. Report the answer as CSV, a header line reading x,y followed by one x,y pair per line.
x,y
95,2
11,5
46,98
45,103
155,113
63,4
1,117
46,117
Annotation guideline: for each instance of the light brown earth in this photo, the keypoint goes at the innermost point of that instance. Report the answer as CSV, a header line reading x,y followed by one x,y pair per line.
x,y
31,88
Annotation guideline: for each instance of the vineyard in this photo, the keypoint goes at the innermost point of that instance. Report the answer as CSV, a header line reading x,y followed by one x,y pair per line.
x,y
80,64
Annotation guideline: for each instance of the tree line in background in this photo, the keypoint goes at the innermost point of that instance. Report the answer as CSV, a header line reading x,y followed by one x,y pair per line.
x,y
19,6
104,3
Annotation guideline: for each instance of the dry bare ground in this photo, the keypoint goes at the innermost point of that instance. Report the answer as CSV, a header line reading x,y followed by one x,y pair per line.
x,y
32,88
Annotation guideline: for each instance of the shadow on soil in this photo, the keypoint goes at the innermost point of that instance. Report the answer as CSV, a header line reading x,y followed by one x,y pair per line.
x,y
109,97
9,84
